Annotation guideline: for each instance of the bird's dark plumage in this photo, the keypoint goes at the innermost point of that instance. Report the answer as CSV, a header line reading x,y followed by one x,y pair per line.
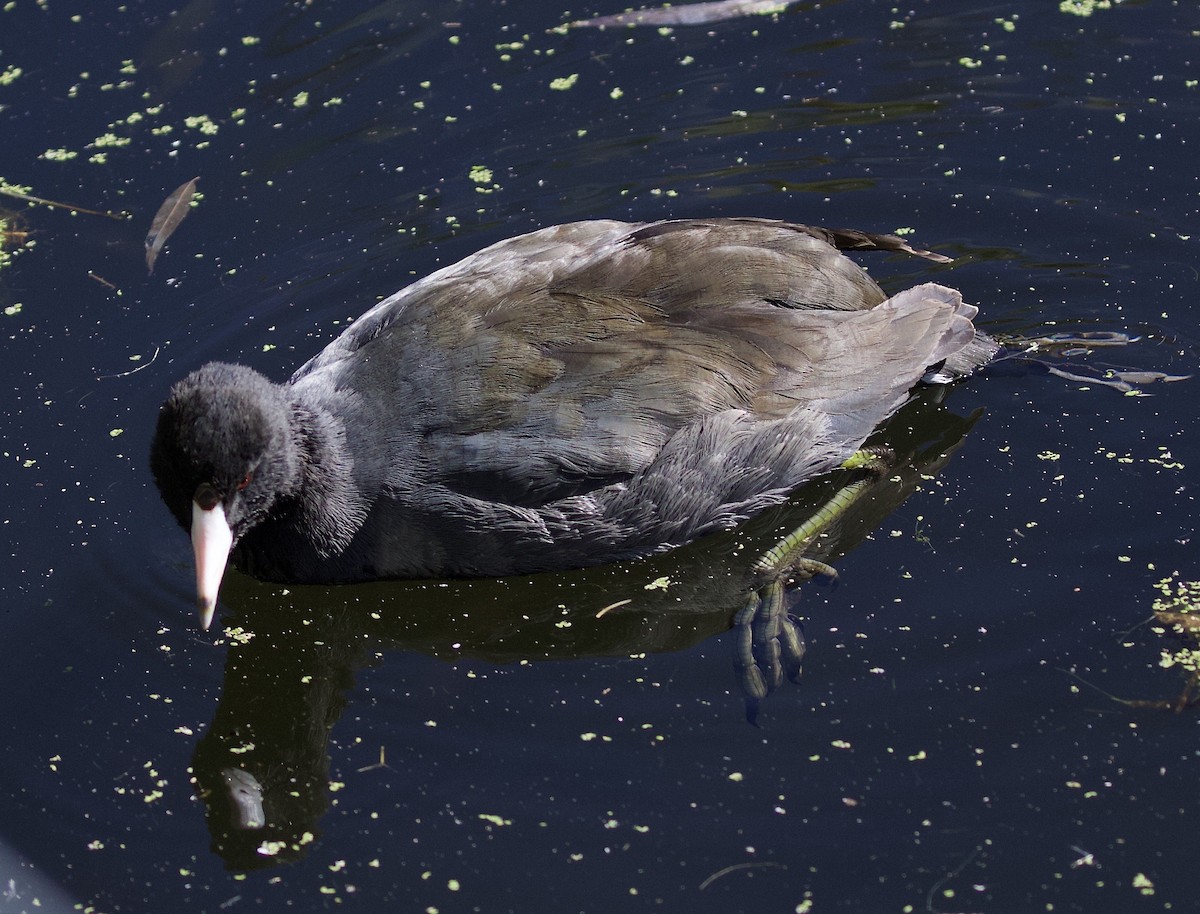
x,y
582,394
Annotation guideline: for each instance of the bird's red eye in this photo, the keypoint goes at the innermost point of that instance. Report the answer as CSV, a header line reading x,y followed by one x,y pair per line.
x,y
245,481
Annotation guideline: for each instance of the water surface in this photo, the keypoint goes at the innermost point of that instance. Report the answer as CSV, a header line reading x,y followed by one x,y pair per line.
x,y
493,746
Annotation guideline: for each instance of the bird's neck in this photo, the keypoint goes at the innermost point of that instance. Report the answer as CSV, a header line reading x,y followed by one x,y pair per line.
x,y
327,500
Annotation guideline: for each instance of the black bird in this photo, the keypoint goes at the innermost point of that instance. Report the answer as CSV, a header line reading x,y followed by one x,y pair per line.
x,y
578,395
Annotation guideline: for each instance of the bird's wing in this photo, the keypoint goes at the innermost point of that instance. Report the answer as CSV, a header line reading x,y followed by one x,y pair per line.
x,y
558,362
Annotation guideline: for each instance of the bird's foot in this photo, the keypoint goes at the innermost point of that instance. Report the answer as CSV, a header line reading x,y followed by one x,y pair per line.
x,y
770,645
770,641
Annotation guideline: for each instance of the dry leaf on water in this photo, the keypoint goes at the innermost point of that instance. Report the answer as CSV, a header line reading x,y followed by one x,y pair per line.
x,y
167,219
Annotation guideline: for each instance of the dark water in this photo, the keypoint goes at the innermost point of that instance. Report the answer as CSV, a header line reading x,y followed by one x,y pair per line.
x,y
951,747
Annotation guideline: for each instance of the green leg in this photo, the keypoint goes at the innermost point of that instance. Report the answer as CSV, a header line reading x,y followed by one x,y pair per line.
x,y
770,643
786,555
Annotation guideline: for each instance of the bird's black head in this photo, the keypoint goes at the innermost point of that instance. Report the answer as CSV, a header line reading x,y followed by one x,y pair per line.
x,y
224,436
224,453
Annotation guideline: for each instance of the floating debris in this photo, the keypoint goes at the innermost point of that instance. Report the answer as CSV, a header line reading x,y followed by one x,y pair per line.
x,y
167,220
689,13
9,191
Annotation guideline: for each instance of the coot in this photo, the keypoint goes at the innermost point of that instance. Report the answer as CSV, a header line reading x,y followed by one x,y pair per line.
x,y
578,395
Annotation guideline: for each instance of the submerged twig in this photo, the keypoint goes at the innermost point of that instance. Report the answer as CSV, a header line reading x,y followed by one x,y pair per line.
x,y
382,763
950,875
1060,346
611,606
125,374
740,866
104,282
1181,702
29,198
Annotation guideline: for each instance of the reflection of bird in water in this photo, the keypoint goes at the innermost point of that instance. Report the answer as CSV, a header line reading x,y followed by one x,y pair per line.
x,y
285,690
246,794
576,396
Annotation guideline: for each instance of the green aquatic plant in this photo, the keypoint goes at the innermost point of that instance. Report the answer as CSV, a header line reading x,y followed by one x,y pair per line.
x,y
1177,609
13,237
1176,613
1085,7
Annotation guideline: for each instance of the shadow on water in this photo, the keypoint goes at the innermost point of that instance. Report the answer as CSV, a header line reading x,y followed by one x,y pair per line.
x,y
263,766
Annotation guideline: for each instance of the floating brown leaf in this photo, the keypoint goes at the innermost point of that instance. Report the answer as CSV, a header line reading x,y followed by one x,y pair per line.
x,y
167,219
691,13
